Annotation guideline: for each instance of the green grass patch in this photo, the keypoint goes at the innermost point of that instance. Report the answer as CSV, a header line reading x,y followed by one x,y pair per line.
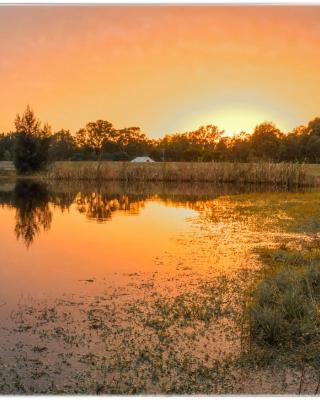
x,y
284,314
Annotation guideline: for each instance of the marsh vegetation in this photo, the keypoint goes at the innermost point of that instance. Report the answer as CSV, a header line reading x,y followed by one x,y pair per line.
x,y
282,175
225,301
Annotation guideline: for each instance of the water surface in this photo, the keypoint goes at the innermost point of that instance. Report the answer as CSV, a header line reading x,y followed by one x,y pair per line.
x,y
132,289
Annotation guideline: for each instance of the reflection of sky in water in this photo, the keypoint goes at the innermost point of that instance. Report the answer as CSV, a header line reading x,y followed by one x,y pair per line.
x,y
75,249
101,278
54,237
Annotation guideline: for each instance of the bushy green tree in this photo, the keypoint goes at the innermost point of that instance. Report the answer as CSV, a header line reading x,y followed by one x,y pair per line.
x,y
32,143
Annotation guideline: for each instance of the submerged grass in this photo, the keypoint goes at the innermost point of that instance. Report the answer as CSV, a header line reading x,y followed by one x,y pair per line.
x,y
284,174
152,344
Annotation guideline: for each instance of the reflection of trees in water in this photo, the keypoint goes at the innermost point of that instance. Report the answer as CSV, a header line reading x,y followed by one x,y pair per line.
x,y
33,213
100,207
34,201
62,200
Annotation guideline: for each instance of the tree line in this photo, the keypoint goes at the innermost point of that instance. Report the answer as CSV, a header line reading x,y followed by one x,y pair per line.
x,y
32,144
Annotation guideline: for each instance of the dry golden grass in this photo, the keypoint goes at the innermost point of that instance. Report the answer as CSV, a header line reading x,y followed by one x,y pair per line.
x,y
284,174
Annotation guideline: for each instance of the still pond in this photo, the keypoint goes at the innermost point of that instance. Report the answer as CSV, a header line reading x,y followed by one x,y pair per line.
x,y
145,288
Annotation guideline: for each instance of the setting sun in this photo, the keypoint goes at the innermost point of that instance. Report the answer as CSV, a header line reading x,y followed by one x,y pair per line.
x,y
235,119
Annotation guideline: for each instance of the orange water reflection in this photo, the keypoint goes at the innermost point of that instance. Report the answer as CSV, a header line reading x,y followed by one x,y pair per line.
x,y
55,236
107,283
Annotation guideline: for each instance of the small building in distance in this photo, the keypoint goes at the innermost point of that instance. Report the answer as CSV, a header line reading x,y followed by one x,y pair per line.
x,y
142,159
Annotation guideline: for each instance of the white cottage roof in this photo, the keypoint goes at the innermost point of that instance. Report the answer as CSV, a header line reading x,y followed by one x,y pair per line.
x,y
142,159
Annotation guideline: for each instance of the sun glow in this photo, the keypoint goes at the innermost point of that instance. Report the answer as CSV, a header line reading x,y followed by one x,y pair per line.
x,y
165,69
237,118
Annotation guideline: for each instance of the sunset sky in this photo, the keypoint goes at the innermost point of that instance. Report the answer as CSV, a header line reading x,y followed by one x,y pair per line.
x,y
163,68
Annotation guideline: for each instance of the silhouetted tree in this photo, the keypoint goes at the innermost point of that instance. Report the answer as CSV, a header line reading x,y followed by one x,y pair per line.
x,y
32,143
62,146
265,142
206,137
132,141
198,145
94,135
7,143
239,147
312,149
100,140
313,127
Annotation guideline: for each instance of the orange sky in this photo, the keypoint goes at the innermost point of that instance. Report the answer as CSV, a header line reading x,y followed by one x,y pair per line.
x,y
163,68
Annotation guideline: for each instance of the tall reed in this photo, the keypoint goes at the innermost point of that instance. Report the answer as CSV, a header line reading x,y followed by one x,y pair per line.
x,y
284,174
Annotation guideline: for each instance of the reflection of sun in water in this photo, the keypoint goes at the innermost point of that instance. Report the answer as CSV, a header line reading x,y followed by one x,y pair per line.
x,y
234,119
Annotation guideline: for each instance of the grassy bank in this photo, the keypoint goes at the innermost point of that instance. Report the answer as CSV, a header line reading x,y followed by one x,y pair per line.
x,y
282,314
240,173
284,318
